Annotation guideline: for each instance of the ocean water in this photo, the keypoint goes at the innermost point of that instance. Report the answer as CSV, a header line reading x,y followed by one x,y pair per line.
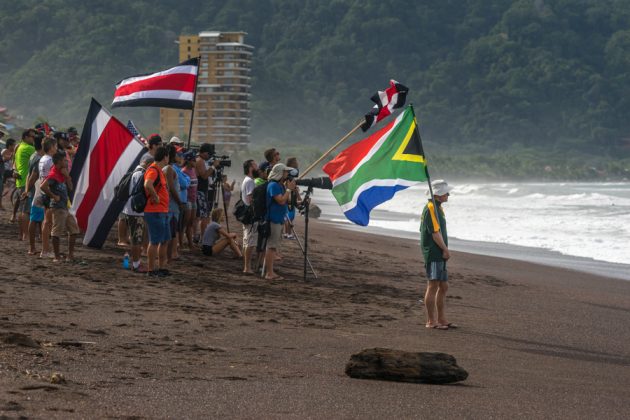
x,y
590,220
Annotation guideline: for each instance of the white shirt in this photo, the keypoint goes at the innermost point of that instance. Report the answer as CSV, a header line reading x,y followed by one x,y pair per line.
x,y
45,165
247,188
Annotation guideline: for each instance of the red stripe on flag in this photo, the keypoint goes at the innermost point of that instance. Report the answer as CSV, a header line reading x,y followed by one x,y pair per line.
x,y
179,81
352,156
110,146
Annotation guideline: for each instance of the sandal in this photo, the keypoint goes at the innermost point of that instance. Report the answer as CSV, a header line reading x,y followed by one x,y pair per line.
x,y
437,327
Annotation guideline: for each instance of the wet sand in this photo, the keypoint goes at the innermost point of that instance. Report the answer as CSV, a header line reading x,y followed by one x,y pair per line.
x,y
537,342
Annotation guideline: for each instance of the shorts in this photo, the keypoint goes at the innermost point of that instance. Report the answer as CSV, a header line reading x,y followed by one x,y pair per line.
x,y
291,214
24,206
206,250
63,222
436,270
250,235
203,209
37,214
158,226
275,235
136,229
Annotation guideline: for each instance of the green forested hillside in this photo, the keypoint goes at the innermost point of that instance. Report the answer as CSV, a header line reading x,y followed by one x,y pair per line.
x,y
551,76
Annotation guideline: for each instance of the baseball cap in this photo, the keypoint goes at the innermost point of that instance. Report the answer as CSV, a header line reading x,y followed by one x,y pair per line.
x,y
154,139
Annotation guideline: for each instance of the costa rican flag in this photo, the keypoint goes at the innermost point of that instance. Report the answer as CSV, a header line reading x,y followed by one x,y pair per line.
x,y
108,150
386,101
172,88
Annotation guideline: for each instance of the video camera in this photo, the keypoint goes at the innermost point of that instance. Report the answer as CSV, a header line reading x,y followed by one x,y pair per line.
x,y
224,160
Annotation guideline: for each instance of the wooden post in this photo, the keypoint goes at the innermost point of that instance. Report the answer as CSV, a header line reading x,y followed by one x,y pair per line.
x,y
344,138
192,111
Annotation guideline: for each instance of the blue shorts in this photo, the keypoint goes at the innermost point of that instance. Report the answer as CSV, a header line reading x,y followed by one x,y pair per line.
x,y
291,214
436,270
158,226
37,214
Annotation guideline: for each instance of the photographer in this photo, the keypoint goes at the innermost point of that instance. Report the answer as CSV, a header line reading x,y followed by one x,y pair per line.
x,y
278,195
294,201
204,177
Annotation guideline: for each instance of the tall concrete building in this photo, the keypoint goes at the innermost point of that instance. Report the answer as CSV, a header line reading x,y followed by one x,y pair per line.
x,y
222,111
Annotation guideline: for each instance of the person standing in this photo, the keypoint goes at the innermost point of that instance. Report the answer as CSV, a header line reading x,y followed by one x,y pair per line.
x,y
277,197
22,156
156,214
250,231
204,178
191,205
434,243
135,220
6,166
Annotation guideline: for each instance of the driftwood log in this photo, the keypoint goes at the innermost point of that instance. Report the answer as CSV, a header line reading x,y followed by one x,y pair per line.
x,y
402,366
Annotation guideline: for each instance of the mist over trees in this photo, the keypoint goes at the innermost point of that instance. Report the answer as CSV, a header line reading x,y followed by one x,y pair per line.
x,y
485,75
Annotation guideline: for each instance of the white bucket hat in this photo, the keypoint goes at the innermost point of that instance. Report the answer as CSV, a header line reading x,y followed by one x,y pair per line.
x,y
176,140
440,187
277,171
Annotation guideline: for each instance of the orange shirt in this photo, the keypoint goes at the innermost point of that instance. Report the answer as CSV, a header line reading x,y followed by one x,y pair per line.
x,y
161,189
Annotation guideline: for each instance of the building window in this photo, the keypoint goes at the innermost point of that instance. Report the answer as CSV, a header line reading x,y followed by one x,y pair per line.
x,y
189,48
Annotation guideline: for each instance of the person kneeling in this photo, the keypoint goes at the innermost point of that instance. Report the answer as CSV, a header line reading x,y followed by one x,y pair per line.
x,y
216,239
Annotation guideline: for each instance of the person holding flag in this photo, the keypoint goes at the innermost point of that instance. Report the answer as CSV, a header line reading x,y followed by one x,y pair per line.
x,y
434,244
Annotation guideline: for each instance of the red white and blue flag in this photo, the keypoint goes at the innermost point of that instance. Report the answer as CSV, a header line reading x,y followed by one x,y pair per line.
x,y
108,150
172,88
386,101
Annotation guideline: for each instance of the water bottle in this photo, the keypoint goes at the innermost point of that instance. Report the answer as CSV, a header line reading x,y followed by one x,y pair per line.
x,y
126,261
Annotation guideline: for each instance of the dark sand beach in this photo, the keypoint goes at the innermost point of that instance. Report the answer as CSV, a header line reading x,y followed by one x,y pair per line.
x,y
208,342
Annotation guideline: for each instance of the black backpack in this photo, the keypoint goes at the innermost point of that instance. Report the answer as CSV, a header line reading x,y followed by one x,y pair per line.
x,y
243,213
259,202
139,196
121,191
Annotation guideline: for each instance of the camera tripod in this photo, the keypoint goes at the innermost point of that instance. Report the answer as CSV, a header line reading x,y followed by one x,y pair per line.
x,y
217,188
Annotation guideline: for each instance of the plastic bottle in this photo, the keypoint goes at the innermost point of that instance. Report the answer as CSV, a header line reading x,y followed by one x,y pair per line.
x,y
126,261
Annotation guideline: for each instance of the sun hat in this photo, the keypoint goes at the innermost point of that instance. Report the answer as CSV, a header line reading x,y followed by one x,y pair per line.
x,y
176,140
277,171
440,187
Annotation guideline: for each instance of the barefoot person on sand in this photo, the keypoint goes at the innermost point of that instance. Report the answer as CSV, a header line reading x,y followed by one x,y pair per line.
x,y
434,243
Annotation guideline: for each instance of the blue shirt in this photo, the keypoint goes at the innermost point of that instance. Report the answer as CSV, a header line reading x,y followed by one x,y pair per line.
x,y
275,211
184,182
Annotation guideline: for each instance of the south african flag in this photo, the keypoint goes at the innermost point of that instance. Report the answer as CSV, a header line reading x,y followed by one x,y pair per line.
x,y
371,171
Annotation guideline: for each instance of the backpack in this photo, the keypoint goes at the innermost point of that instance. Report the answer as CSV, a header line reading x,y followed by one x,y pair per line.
x,y
139,196
121,191
243,213
259,202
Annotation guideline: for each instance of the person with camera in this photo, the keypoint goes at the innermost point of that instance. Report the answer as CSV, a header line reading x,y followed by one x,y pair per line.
x,y
205,173
250,232
279,191
22,155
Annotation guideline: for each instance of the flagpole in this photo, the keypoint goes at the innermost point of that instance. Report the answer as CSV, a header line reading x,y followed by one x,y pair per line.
x,y
192,111
426,167
329,151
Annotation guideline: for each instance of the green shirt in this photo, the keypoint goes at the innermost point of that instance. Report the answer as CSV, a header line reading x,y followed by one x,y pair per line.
x,y
22,155
430,223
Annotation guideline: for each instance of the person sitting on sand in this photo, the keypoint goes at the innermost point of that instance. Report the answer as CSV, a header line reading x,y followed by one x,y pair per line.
x,y
434,243
216,239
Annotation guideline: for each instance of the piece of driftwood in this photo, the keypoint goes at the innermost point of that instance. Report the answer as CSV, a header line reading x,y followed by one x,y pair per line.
x,y
402,366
